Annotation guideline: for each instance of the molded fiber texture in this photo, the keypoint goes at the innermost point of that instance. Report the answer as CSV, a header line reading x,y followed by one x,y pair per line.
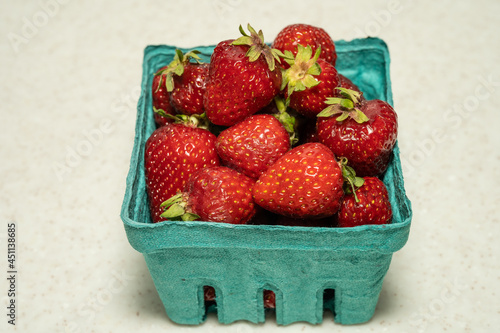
x,y
240,261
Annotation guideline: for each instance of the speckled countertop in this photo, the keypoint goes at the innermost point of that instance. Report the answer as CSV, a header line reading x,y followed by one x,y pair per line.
x,y
71,72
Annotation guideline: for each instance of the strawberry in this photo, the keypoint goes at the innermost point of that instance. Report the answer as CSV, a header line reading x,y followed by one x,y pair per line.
x,y
293,35
365,132
161,99
253,144
189,88
269,297
185,81
309,81
243,78
172,153
306,182
213,194
368,204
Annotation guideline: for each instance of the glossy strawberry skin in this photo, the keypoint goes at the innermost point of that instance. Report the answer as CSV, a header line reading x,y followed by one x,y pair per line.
x,y
254,144
172,153
237,88
220,194
367,146
161,99
373,206
306,182
311,101
304,34
189,88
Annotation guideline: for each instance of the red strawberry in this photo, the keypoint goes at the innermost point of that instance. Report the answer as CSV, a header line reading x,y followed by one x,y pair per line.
x,y
253,144
309,81
369,204
189,88
185,81
214,194
161,99
242,79
365,132
172,153
306,182
291,36
269,297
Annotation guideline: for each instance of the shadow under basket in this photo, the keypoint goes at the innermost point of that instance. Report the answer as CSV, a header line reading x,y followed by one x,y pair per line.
x,y
308,268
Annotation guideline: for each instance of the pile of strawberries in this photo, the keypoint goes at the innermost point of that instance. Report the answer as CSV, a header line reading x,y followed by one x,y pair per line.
x,y
267,135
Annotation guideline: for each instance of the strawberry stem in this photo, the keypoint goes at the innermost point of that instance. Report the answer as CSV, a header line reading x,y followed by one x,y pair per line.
x,y
351,182
287,120
258,47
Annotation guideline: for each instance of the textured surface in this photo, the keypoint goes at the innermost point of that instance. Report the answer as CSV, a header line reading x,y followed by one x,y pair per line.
x,y
299,262
77,76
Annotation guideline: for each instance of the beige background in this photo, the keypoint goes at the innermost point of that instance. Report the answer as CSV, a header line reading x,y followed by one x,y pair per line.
x,y
71,72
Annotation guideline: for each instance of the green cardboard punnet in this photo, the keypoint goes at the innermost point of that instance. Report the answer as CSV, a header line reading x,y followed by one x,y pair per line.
x,y
240,261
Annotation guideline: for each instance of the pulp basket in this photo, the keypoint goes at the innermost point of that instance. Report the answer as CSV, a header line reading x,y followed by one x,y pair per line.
x,y
300,264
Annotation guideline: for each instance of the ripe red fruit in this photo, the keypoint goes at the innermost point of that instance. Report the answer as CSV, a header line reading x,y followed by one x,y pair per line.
x,y
161,99
269,297
291,36
371,207
254,144
365,132
214,194
189,88
243,78
309,81
306,182
188,83
172,153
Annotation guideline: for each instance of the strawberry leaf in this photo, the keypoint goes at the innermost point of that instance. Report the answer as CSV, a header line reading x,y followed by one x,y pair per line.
x,y
174,211
348,104
359,116
172,200
343,116
245,40
190,217
257,47
302,71
330,111
353,95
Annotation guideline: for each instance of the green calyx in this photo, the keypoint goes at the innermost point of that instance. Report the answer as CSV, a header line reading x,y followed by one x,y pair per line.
x,y
195,120
176,67
351,182
258,47
346,106
302,71
286,119
175,209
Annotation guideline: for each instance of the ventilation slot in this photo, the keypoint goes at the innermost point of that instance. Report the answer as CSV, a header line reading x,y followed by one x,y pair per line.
x,y
210,299
329,301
